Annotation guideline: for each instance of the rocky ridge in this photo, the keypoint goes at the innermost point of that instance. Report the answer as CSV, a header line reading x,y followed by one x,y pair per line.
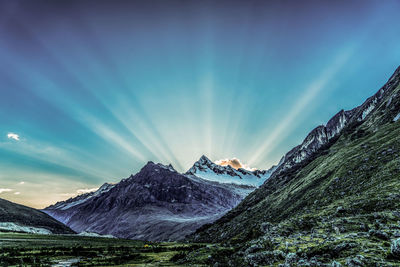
x,y
323,134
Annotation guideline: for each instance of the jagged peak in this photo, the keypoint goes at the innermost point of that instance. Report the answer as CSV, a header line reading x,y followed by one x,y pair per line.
x,y
204,158
317,130
151,165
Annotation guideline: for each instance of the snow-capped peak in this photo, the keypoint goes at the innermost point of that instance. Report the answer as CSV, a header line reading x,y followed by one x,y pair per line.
x,y
206,169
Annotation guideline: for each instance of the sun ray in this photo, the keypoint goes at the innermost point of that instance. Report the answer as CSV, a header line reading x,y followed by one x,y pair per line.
x,y
312,91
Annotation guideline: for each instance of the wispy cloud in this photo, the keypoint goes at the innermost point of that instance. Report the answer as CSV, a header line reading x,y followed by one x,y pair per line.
x,y
79,192
17,193
2,190
21,183
13,136
67,194
86,190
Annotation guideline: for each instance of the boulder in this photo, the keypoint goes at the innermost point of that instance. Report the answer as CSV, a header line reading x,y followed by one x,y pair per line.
x,y
356,261
395,248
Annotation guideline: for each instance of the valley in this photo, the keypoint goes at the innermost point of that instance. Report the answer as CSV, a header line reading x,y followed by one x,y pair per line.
x,y
199,133
331,201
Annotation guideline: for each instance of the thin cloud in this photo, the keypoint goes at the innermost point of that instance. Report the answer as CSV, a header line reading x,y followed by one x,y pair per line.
x,y
234,163
86,190
21,183
13,136
17,193
67,194
2,190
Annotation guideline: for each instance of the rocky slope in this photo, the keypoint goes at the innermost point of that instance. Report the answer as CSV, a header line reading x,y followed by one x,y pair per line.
x,y
64,205
19,218
157,203
206,169
334,201
322,134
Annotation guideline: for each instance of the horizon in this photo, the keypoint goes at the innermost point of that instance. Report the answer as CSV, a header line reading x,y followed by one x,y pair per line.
x,y
90,93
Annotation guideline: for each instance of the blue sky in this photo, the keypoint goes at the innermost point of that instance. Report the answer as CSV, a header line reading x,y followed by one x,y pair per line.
x,y
95,89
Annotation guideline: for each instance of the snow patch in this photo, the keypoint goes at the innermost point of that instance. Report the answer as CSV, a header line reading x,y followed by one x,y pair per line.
x,y
104,188
397,117
368,109
206,169
227,178
9,226
90,234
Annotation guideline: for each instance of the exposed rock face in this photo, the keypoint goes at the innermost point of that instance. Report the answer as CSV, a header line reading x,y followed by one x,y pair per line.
x,y
206,169
336,124
383,100
157,203
15,217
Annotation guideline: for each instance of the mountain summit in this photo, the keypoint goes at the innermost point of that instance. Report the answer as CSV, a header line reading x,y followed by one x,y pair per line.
x,y
206,169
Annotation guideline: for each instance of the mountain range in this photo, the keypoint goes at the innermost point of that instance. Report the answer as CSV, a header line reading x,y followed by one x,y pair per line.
x,y
157,203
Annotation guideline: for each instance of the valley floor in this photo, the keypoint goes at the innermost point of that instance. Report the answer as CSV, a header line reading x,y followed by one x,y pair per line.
x,y
19,249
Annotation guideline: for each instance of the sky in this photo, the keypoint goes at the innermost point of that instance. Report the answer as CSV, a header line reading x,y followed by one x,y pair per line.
x,y
92,90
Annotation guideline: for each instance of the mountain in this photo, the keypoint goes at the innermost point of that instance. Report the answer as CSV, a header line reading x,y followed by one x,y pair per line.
x,y
158,203
19,218
322,134
206,169
334,200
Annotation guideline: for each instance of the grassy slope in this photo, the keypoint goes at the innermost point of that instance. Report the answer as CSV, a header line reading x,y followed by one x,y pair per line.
x,y
348,188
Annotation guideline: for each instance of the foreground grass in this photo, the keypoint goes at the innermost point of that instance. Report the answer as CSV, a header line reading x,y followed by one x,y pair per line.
x,y
18,249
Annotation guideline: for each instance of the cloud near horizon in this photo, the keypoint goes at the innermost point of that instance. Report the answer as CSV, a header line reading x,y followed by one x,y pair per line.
x,y
234,163
86,190
2,190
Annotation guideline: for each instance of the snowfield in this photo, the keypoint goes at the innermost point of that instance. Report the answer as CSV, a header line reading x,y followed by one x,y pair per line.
x,y
90,234
9,226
